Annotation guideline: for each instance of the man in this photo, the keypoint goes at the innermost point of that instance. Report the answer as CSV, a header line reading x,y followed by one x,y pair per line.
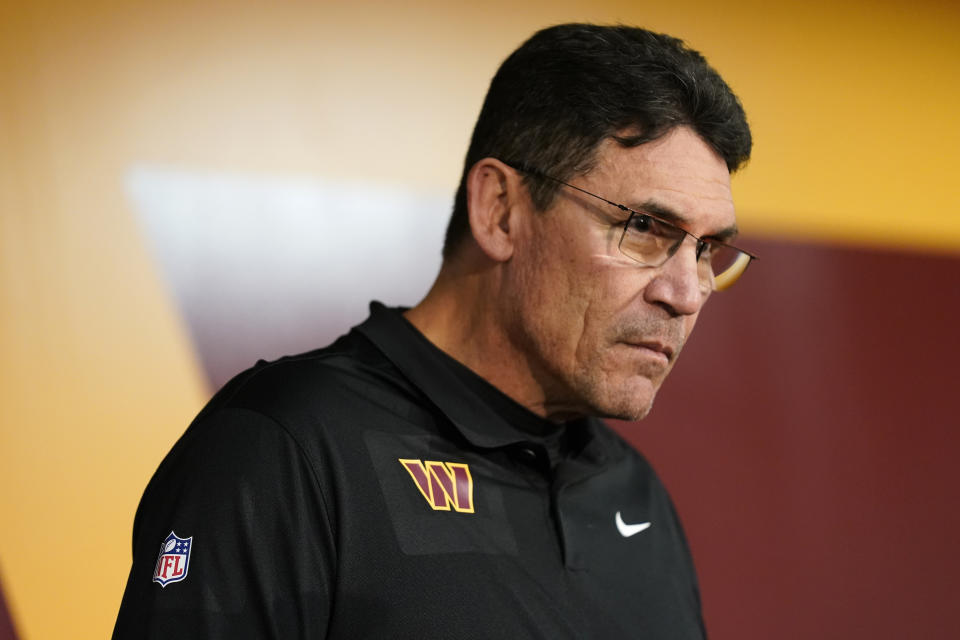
x,y
442,471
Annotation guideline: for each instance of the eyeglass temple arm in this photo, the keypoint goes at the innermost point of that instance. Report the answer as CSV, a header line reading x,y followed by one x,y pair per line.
x,y
522,167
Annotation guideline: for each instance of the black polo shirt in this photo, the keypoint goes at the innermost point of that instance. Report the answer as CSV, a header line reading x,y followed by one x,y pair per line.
x,y
379,489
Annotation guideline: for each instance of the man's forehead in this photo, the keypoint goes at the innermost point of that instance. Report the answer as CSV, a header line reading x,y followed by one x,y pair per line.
x,y
679,148
677,174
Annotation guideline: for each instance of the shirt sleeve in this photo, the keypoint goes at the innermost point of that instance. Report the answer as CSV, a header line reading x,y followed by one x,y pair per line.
x,y
260,555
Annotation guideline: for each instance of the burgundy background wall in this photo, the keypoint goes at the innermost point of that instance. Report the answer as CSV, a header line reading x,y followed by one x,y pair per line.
x,y
6,624
809,435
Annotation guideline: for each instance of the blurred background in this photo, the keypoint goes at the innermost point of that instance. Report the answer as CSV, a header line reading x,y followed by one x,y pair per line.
x,y
187,187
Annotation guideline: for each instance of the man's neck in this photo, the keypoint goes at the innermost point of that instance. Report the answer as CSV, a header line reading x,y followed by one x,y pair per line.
x,y
460,316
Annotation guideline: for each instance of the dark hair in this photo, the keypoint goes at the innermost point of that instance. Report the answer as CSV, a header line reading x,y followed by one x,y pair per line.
x,y
569,87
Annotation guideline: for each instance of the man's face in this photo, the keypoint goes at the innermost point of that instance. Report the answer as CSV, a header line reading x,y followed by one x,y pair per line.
x,y
599,331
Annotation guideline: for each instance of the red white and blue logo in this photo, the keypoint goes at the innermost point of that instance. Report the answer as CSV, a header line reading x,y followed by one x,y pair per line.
x,y
174,559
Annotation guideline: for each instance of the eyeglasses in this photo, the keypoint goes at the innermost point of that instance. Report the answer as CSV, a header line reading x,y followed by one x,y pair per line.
x,y
652,241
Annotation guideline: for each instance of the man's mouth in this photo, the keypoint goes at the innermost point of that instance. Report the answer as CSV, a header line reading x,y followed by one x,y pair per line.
x,y
654,347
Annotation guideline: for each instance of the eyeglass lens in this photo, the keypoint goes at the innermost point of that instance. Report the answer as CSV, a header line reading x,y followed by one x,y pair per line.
x,y
652,242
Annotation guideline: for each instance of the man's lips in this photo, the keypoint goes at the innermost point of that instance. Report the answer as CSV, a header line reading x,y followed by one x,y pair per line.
x,y
654,346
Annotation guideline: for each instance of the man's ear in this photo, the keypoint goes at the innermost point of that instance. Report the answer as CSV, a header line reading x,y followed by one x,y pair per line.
x,y
493,190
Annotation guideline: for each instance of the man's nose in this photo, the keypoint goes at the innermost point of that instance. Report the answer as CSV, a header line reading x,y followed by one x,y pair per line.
x,y
676,285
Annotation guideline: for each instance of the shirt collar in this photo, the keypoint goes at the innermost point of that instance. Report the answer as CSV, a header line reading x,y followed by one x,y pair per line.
x,y
433,372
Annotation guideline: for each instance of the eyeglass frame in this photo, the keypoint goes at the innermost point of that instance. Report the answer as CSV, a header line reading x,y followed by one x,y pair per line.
x,y
701,244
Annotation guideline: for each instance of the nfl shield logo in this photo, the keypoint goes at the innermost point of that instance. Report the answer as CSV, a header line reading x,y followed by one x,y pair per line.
x,y
174,560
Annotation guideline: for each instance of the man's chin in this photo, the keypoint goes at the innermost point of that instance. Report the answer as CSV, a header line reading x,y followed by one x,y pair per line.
x,y
618,397
632,414
630,405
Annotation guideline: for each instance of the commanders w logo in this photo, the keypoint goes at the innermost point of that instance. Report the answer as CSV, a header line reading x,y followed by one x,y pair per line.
x,y
443,484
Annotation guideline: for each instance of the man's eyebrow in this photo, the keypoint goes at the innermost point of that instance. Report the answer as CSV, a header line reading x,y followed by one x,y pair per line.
x,y
670,215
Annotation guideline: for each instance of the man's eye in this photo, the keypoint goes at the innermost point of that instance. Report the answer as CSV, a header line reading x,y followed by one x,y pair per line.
x,y
643,224
651,226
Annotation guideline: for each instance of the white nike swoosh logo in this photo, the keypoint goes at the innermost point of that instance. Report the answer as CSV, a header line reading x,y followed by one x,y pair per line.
x,y
627,530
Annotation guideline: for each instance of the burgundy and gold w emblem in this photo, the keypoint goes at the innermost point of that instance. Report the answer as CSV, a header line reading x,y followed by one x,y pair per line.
x,y
443,484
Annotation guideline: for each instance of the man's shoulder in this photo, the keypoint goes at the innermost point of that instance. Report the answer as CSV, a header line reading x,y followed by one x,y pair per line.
x,y
327,395
344,376
302,408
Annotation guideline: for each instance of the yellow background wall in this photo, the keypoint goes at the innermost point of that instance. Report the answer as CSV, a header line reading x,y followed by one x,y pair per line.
x,y
854,112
